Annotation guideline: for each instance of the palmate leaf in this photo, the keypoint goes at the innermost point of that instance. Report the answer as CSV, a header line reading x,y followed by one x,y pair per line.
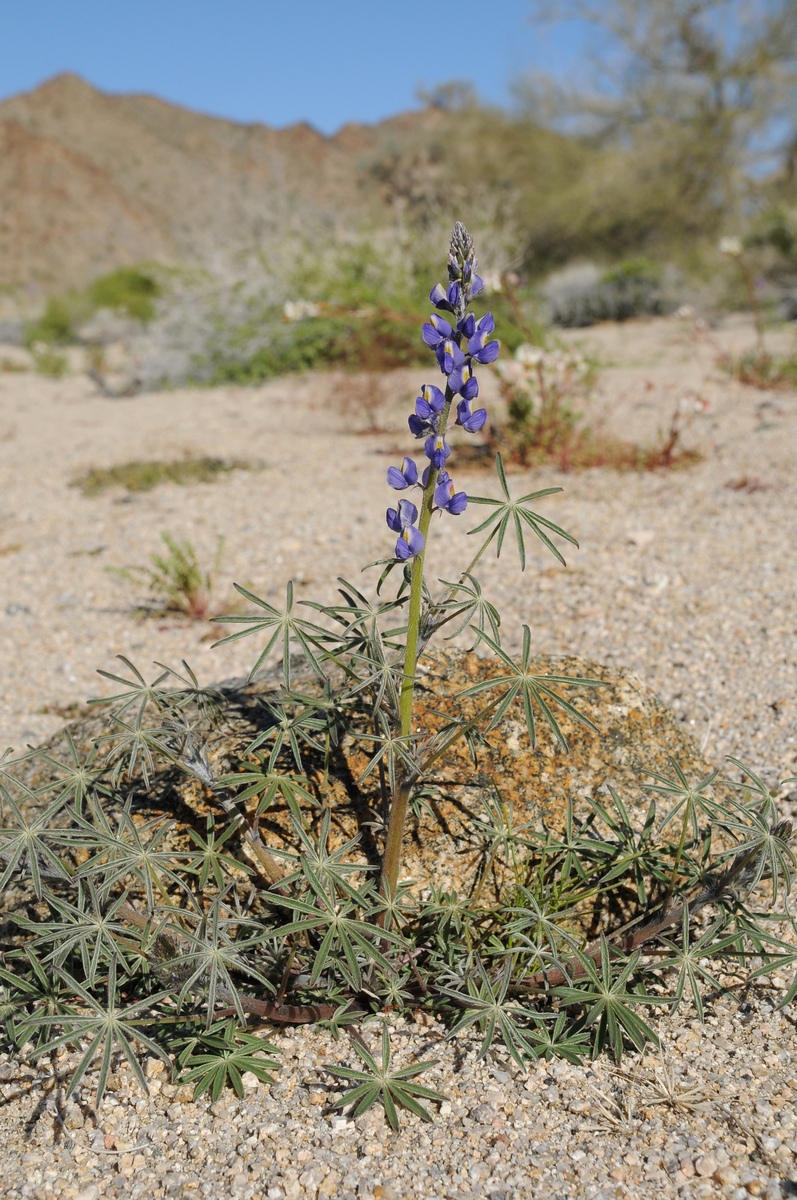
x,y
127,852
559,1040
288,731
137,694
687,960
331,868
393,750
209,954
359,617
774,857
25,843
611,1008
207,701
284,630
486,1004
219,1057
136,744
270,786
779,955
523,685
522,518
759,794
466,603
395,1089
684,795
88,927
31,985
347,942
107,1023
79,775
210,860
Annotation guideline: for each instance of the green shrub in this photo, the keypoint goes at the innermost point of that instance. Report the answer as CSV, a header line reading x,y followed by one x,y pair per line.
x,y
127,290
55,327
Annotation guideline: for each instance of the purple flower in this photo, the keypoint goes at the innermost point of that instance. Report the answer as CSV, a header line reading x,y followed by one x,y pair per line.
x,y
471,422
449,355
437,450
467,326
402,521
435,330
402,478
445,496
428,407
476,345
462,381
449,299
472,282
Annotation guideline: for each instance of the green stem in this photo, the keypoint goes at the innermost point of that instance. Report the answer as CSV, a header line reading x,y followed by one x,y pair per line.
x,y
678,855
391,862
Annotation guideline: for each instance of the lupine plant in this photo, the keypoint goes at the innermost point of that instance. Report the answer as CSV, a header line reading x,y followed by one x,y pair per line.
x,y
183,864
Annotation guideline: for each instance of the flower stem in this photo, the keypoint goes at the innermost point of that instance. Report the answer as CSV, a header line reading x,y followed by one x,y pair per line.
x,y
391,862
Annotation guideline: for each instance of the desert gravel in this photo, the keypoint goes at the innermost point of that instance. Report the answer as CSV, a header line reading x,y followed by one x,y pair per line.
x,y
687,577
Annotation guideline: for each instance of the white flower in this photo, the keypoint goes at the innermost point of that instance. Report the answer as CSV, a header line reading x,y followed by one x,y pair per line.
x,y
297,310
529,356
492,282
731,246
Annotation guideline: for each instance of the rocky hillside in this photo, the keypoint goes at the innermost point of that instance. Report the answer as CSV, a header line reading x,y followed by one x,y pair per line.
x,y
90,181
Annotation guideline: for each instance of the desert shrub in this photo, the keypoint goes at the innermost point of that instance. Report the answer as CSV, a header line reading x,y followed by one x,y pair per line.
x,y
584,294
370,343
55,327
128,290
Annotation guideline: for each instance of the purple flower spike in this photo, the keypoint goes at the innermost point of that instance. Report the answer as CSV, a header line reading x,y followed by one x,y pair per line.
x,y
406,477
446,498
437,451
449,356
471,422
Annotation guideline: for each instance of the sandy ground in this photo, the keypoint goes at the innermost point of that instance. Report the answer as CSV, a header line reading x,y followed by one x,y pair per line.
x,y
687,577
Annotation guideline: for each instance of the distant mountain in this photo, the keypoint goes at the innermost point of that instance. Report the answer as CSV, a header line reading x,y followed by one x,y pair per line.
x,y
90,181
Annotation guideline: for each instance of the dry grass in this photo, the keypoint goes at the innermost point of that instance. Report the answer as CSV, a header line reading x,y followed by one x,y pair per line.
x,y
144,476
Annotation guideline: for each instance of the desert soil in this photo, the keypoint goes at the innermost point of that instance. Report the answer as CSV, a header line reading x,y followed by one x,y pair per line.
x,y
687,577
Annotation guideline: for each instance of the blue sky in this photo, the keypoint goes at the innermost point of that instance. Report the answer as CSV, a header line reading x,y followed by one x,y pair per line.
x,y
280,61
